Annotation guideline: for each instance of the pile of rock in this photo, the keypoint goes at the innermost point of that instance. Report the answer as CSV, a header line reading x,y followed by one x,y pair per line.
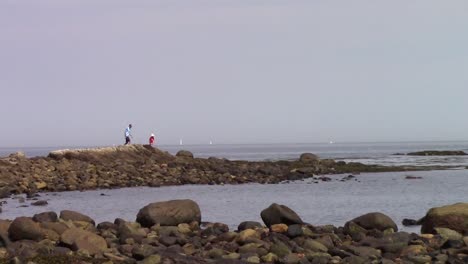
x,y
170,232
139,165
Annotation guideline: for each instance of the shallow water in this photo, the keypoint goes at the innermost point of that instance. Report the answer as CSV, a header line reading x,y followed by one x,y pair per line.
x,y
332,202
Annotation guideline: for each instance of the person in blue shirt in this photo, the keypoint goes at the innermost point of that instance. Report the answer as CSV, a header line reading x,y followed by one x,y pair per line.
x,y
128,134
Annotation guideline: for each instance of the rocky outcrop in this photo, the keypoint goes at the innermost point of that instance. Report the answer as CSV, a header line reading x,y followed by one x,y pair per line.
x,y
453,216
142,165
279,214
438,153
128,242
169,213
374,220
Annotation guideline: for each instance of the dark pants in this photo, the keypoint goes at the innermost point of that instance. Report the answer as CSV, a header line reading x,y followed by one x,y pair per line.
x,y
127,140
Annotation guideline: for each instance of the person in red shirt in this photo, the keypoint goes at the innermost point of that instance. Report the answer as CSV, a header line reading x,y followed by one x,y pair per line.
x,y
151,139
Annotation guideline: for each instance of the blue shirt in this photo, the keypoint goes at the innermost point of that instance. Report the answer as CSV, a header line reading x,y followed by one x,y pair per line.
x,y
127,132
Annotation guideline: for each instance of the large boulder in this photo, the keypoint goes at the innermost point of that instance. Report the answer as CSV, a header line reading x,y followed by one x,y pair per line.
x,y
169,213
45,217
75,216
453,216
79,239
377,221
25,228
184,154
279,214
308,157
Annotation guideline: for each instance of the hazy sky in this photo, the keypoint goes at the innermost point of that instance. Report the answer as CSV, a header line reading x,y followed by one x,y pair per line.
x,y
77,72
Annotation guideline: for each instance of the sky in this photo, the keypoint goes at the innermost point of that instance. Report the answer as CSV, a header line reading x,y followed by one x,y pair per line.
x,y
76,73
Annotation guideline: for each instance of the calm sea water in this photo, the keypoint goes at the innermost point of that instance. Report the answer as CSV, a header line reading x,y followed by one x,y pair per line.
x,y
368,153
332,202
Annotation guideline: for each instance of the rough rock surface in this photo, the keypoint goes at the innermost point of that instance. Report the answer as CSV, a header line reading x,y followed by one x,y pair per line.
x,y
169,213
375,220
279,214
453,216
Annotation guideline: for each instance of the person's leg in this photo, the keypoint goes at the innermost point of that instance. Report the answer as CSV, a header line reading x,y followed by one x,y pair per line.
x,y
127,140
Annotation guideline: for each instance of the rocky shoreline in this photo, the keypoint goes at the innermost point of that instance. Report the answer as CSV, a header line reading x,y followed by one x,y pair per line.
x,y
142,165
174,232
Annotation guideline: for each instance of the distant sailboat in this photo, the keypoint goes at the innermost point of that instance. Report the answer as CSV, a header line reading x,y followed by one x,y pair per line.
x,y
180,142
331,142
211,142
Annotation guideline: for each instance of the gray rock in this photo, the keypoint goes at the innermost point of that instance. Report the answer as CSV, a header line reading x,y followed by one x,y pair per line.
x,y
377,221
169,213
279,214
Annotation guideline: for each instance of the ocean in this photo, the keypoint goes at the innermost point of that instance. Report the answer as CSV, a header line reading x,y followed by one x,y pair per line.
x,y
367,153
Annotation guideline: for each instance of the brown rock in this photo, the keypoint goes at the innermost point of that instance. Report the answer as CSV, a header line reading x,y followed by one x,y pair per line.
x,y
75,216
169,213
25,228
78,239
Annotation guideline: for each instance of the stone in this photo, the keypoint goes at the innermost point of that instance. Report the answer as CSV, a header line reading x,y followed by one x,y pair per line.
x,y
184,228
184,154
376,220
131,230
40,203
413,250
279,228
448,234
453,216
75,216
270,258
280,249
295,231
249,225
247,234
79,239
153,259
279,214
57,227
314,246
169,213
308,157
45,217
25,228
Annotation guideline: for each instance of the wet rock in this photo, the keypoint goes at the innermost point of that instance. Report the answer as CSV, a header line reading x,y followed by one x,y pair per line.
x,y
279,214
409,222
45,217
410,177
75,216
40,203
453,216
377,221
169,213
